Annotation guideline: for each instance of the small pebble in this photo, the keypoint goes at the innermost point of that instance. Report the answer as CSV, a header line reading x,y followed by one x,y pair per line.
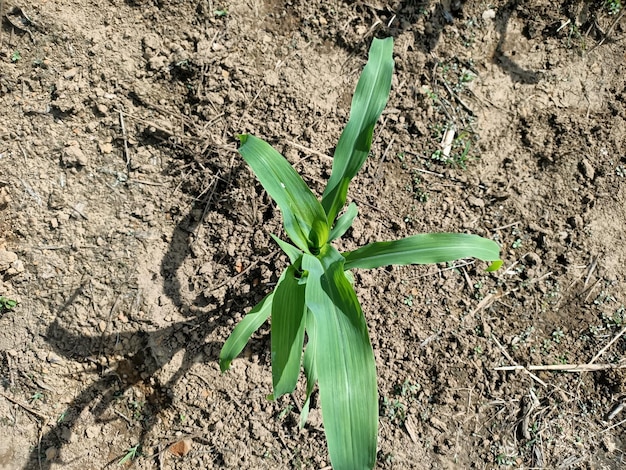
x,y
92,431
106,147
53,358
66,434
73,156
7,258
489,14
475,201
71,73
181,448
51,453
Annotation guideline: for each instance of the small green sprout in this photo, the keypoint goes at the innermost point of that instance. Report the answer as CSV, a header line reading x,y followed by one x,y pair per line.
x,y
315,297
36,396
408,389
221,13
6,304
394,409
131,454
613,6
557,335
285,412
505,460
137,407
16,56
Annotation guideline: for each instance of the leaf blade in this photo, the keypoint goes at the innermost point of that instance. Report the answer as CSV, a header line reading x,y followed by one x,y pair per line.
x,y
344,364
308,363
344,222
303,216
368,102
426,248
291,251
287,336
244,330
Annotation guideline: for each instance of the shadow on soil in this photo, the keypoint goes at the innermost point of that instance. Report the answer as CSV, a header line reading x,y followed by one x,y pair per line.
x,y
137,369
443,17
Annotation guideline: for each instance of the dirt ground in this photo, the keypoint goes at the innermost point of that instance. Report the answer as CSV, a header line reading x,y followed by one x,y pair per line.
x,y
134,237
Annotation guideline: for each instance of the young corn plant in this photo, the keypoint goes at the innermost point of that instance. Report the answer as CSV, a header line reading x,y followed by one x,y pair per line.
x,y
314,297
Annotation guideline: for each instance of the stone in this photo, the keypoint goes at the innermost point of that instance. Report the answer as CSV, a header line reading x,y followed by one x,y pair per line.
x,y
181,448
51,453
7,258
475,201
105,147
53,358
92,431
489,14
73,156
157,62
71,73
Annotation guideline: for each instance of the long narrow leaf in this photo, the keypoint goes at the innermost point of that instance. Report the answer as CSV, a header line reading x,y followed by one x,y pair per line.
x,y
370,97
344,222
288,321
291,251
309,365
425,248
304,217
344,362
244,329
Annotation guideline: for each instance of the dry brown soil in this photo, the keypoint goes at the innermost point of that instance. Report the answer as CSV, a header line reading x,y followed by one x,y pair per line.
x,y
134,237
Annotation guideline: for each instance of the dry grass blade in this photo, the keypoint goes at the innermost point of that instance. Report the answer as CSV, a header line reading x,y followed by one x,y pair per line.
x,y
565,367
603,350
517,366
588,367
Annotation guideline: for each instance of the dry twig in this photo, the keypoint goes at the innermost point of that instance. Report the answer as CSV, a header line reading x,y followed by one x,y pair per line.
x,y
26,407
518,367
565,367
125,139
603,350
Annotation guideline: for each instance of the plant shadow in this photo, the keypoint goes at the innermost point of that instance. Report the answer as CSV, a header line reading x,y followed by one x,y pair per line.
x,y
143,354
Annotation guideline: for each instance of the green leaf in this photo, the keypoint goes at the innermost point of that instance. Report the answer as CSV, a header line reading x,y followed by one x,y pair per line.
x,y
344,362
368,102
291,251
425,248
494,266
309,366
304,217
288,320
344,222
7,304
242,332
